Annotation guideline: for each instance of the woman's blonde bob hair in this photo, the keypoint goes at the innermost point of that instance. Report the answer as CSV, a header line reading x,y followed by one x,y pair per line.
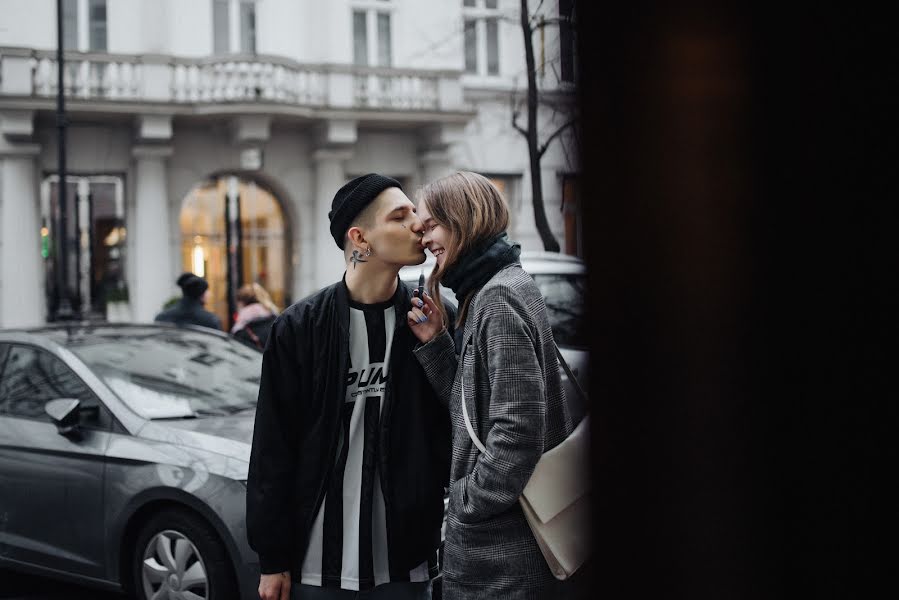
x,y
250,293
471,210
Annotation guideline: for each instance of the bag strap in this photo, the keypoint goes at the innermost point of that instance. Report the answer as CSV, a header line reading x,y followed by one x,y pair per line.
x,y
577,385
255,338
474,438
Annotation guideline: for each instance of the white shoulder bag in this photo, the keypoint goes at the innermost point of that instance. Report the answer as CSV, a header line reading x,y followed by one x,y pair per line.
x,y
556,499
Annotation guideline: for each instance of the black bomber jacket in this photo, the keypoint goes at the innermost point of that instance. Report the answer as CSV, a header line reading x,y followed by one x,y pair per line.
x,y
302,389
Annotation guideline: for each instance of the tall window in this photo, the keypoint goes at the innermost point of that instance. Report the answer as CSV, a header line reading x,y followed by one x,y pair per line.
x,y
84,25
571,209
221,32
372,36
248,27
509,186
95,240
481,25
567,39
360,38
97,25
234,26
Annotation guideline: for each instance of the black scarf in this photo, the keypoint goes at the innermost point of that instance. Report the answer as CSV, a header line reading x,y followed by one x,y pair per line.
x,y
475,268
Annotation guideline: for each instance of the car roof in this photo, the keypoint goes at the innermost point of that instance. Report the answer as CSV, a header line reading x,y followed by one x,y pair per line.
x,y
71,331
533,261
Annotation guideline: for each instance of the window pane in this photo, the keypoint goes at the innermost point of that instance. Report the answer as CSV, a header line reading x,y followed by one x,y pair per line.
x,y
360,38
248,27
220,26
107,246
33,377
70,24
564,296
492,47
384,55
566,39
97,12
471,47
468,3
491,3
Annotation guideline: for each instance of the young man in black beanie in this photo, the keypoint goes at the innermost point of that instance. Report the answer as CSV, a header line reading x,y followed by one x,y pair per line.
x,y
351,446
189,310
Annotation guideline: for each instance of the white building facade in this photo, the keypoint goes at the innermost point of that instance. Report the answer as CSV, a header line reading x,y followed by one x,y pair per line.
x,y
210,136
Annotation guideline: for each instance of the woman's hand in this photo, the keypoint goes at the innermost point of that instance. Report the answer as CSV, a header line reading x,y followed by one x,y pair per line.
x,y
424,319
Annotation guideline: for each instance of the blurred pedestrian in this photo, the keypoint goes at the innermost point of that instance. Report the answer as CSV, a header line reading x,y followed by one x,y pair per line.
x,y
189,310
255,314
350,450
504,355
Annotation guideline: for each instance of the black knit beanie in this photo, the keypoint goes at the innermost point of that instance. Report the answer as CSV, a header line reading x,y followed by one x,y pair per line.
x,y
191,285
352,198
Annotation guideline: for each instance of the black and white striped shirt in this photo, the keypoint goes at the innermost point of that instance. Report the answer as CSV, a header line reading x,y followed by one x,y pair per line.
x,y
348,541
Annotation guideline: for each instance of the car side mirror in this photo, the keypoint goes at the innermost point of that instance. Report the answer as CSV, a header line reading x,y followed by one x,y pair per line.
x,y
66,413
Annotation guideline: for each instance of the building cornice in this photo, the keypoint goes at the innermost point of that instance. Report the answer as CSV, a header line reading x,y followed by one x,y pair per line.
x,y
232,109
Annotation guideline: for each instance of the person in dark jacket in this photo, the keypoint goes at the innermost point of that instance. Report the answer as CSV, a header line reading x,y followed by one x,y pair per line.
x,y
189,310
351,450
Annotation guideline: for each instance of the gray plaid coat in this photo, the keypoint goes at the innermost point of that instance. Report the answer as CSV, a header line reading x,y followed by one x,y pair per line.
x,y
516,404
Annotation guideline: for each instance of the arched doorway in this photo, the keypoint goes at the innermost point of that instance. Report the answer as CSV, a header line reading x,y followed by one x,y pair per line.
x,y
257,237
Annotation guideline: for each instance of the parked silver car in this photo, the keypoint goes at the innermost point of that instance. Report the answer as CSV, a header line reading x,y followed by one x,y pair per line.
x,y
123,458
563,281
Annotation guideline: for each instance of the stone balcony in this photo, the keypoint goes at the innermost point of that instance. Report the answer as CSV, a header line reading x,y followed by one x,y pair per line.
x,y
125,83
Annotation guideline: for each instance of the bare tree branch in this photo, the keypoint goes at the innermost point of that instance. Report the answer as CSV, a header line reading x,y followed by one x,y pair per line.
x,y
516,111
533,18
516,126
555,134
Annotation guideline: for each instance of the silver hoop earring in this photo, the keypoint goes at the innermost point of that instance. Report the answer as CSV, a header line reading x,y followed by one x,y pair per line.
x,y
368,251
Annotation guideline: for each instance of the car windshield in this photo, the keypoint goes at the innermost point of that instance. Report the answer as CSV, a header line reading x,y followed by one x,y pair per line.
x,y
564,297
168,373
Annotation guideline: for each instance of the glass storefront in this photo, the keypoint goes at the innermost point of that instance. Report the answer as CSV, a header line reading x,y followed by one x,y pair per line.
x,y
94,241
233,232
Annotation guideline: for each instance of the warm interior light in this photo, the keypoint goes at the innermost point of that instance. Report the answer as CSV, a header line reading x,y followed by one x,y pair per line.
x,y
115,237
198,268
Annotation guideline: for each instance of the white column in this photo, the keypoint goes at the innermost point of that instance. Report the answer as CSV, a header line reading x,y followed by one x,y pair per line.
x,y
329,177
22,301
435,164
153,279
434,154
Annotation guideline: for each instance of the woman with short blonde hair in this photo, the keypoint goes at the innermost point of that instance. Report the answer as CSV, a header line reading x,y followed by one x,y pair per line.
x,y
255,313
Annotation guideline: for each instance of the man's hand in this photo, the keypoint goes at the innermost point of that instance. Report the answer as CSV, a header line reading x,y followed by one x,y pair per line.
x,y
275,586
425,321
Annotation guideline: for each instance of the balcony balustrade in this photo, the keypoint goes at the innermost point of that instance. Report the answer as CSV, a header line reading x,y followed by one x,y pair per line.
x,y
235,79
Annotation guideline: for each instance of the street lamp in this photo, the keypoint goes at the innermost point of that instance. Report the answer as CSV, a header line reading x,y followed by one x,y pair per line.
x,y
63,305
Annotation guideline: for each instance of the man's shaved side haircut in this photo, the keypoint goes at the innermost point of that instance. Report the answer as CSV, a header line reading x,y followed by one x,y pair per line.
x,y
364,220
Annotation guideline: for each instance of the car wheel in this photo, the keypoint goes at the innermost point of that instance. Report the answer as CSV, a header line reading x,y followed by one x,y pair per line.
x,y
178,556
